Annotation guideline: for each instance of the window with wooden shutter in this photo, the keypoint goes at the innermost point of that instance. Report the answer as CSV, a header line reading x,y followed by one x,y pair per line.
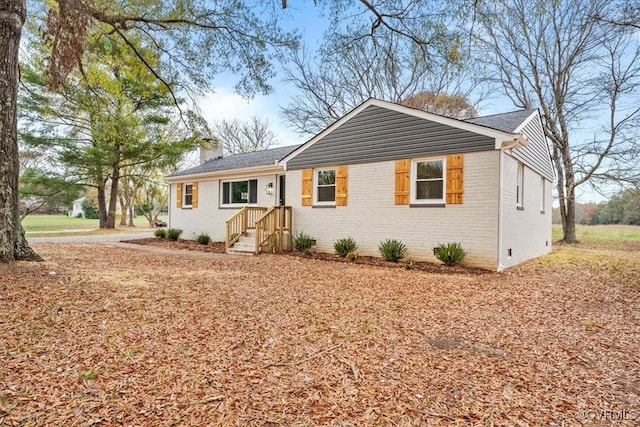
x,y
341,185
455,181
307,187
402,182
194,195
179,195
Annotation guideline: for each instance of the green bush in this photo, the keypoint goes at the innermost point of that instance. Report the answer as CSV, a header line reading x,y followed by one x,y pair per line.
x,y
345,246
302,241
161,233
90,208
203,239
450,253
392,250
173,233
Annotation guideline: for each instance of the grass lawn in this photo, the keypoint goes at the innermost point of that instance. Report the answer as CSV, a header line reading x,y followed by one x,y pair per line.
x,y
42,225
101,335
602,233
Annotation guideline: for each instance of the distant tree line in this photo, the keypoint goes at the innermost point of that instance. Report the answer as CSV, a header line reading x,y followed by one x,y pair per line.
x,y
623,208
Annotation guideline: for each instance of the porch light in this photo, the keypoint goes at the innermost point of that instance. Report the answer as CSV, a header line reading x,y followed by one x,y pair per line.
x,y
269,189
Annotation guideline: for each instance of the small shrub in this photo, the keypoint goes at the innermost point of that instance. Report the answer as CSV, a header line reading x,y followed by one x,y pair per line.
x,y
345,246
450,253
173,233
302,241
79,215
161,233
392,250
203,239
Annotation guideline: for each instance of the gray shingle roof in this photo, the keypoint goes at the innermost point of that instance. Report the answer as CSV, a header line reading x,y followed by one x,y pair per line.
x,y
507,122
239,161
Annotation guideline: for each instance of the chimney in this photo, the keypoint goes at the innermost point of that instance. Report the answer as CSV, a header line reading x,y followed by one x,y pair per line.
x,y
210,149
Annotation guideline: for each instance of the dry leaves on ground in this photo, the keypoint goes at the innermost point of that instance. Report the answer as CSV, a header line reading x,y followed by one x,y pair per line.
x,y
104,335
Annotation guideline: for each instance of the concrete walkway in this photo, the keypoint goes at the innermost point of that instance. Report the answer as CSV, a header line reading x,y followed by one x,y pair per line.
x,y
115,239
109,238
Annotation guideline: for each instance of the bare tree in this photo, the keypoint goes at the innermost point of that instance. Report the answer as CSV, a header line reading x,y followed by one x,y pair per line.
x,y
387,67
583,72
238,136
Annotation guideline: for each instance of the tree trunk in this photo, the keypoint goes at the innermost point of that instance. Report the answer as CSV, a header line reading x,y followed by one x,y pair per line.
x,y
570,220
102,205
131,214
113,198
123,210
13,244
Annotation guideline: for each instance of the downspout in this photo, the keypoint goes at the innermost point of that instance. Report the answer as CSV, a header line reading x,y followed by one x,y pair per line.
x,y
500,190
169,207
518,141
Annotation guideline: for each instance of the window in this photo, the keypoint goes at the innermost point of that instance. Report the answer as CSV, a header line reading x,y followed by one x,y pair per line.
x,y
325,183
543,195
520,187
428,181
240,192
187,195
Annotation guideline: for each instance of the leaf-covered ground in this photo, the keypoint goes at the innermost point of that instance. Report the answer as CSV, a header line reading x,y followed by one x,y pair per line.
x,y
107,335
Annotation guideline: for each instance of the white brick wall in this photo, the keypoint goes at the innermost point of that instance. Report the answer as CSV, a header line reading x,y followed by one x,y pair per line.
x,y
208,217
372,216
526,232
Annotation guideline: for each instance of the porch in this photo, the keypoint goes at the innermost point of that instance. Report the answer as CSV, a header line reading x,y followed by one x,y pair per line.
x,y
255,229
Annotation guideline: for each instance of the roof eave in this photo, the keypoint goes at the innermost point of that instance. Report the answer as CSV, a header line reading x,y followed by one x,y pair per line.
x,y
513,141
229,173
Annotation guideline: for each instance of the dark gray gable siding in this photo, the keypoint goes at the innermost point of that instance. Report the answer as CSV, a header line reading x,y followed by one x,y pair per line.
x,y
536,153
379,134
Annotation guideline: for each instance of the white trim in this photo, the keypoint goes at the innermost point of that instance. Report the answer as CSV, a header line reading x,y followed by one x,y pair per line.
x,y
227,174
414,178
316,193
184,195
221,183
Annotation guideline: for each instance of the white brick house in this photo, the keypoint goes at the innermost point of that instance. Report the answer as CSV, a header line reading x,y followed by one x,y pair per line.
x,y
390,171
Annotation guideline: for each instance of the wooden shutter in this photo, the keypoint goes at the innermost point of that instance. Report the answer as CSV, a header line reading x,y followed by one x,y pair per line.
x,y
253,191
455,181
341,185
225,193
402,182
194,194
307,187
179,195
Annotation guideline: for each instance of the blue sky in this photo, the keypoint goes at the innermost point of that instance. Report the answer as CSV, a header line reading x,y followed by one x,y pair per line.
x,y
224,103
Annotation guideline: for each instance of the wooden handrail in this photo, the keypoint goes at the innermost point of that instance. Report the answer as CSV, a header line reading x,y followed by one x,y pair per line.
x,y
271,226
240,222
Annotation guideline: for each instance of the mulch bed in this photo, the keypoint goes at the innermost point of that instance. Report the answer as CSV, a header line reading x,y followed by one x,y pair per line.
x,y
189,245
219,247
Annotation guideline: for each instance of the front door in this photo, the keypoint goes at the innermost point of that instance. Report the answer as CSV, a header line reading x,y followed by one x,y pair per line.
x,y
281,190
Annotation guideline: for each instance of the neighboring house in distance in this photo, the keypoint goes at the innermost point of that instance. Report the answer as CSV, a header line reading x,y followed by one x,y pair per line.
x,y
389,171
77,208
